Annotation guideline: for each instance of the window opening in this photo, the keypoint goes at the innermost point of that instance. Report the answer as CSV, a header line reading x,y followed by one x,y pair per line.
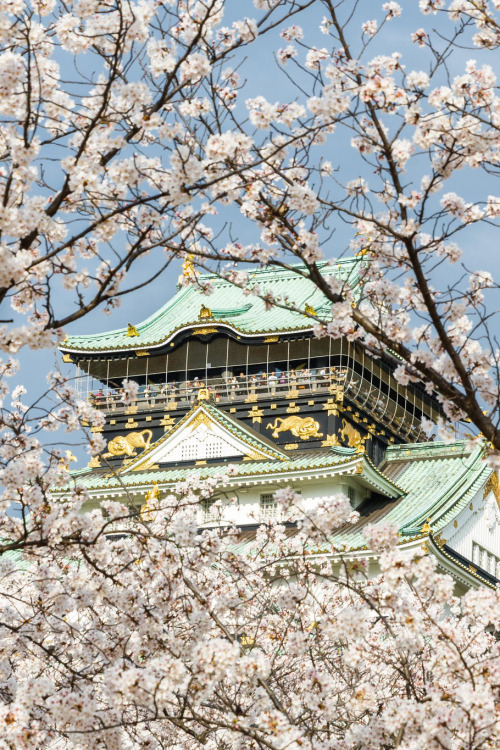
x,y
268,506
209,511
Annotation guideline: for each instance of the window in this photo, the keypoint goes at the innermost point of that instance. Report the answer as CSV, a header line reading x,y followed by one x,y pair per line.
x,y
485,560
213,449
268,505
189,451
209,512
351,494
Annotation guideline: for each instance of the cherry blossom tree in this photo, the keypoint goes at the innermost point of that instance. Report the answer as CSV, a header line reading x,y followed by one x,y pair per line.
x,y
168,637
126,133
416,158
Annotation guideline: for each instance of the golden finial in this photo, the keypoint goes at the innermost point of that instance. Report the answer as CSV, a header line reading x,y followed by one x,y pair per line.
x,y
203,393
205,313
65,461
310,310
94,463
188,269
426,527
132,330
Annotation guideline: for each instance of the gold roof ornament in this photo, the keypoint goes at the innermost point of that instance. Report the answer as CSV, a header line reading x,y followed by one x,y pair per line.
x,y
205,313
146,512
426,527
492,485
132,330
310,310
363,251
188,269
65,461
203,393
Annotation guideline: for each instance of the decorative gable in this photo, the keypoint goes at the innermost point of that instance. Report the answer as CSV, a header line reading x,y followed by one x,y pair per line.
x,y
202,434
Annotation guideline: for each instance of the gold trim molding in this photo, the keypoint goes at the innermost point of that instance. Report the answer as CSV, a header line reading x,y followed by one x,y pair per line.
x,y
492,485
204,331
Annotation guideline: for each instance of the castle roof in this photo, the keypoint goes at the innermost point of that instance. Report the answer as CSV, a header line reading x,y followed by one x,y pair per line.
x,y
438,480
231,310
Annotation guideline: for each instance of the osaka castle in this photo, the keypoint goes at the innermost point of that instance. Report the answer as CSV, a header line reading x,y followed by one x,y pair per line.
x,y
226,381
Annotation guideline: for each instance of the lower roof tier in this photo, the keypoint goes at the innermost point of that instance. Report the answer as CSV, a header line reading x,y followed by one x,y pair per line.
x,y
420,489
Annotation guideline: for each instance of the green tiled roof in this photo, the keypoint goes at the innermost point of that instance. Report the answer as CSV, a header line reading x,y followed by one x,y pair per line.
x,y
12,559
89,479
439,480
230,307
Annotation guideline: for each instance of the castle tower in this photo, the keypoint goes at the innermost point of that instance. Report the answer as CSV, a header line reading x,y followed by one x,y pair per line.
x,y
224,379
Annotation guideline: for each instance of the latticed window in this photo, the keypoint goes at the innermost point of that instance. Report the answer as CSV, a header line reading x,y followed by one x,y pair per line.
x,y
189,452
268,505
213,448
351,494
209,512
485,559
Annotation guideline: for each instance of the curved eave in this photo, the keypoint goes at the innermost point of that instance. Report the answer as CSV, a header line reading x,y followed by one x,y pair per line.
x,y
379,482
191,328
353,465
469,574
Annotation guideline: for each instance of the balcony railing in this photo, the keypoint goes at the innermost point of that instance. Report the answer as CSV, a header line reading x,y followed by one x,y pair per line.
x,y
172,395
247,389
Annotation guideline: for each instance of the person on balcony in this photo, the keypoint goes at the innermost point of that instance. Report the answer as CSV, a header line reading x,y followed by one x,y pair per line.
x,y
173,390
233,385
242,381
272,380
252,384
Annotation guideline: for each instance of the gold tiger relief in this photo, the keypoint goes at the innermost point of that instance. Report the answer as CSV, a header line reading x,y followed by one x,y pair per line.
x,y
125,445
300,427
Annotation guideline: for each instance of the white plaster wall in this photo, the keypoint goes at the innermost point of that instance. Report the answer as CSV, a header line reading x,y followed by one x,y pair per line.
x,y
246,509
479,523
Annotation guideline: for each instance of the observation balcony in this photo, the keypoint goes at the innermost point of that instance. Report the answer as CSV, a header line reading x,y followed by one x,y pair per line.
x,y
395,411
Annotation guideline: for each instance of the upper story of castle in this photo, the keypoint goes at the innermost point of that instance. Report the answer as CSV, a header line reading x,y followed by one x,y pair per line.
x,y
261,363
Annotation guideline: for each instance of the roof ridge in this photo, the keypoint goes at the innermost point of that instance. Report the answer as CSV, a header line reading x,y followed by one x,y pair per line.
x,y
412,450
